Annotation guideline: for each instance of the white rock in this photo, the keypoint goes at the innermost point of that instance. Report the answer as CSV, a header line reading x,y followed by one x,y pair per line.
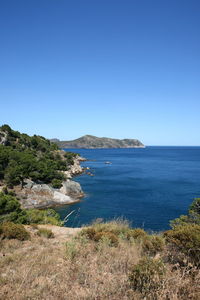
x,y
61,198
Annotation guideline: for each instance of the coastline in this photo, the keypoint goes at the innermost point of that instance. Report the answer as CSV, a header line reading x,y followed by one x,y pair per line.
x,y
41,196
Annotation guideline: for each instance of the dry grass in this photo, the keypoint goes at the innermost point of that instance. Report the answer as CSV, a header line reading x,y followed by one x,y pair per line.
x,y
71,266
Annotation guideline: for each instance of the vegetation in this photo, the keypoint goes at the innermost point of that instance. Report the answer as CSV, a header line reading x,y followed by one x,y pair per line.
x,y
24,157
85,267
10,210
44,232
147,276
106,260
36,158
193,216
9,230
136,233
185,239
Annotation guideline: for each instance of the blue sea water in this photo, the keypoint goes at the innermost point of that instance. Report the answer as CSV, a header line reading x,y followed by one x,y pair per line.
x,y
149,186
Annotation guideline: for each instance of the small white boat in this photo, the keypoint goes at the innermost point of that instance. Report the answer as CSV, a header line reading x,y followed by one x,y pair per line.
x,y
108,163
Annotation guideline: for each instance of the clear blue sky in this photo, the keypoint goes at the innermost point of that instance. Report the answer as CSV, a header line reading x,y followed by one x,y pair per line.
x,y
122,69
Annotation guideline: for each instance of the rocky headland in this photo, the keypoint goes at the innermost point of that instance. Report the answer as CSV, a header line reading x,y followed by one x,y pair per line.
x,y
39,174
34,195
92,142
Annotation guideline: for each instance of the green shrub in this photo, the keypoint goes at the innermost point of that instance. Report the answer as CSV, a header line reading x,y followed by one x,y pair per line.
x,y
195,206
10,211
46,216
111,237
44,232
152,244
186,239
56,183
96,236
193,216
8,204
136,233
147,276
10,230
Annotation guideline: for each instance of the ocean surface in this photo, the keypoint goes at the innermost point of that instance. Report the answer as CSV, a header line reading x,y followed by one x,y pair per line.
x,y
149,186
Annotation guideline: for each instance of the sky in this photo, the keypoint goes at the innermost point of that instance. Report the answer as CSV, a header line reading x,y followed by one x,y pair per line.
x,y
110,68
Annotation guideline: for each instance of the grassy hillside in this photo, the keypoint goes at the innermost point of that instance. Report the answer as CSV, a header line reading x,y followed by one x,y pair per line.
x,y
102,261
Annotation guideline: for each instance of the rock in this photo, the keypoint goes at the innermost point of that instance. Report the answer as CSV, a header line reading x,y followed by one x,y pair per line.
x,y
28,183
42,195
34,195
75,169
60,198
71,188
3,138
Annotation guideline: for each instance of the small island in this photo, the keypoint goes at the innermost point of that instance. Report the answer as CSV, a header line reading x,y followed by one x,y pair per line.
x,y
92,142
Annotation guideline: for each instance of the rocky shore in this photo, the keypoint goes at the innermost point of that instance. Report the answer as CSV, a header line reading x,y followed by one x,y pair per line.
x,y
34,195
76,168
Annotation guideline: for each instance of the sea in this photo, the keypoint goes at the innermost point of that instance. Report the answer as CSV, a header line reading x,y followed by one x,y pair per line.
x,y
147,186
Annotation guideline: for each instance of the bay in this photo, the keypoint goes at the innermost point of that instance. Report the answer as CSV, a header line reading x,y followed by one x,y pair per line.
x,y
149,186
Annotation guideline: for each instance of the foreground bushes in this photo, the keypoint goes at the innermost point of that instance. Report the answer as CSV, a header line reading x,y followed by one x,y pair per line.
x,y
147,276
150,244
136,233
185,239
10,230
97,268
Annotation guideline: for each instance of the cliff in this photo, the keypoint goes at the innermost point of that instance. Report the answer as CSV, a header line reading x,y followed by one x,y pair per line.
x,y
92,142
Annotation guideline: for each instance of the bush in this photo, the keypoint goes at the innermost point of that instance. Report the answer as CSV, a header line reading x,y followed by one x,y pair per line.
x,y
8,204
10,230
89,232
136,233
186,239
96,236
44,232
56,183
111,237
193,216
151,244
195,206
10,211
47,216
147,276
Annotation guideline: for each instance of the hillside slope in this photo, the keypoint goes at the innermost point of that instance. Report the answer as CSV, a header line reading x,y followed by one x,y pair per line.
x,y
103,261
37,171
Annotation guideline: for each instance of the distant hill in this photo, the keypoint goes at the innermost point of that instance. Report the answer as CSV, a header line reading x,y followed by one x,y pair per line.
x,y
92,142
